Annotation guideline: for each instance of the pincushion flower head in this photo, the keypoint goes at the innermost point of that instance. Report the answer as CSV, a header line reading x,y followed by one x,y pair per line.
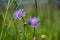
x,y
19,14
34,22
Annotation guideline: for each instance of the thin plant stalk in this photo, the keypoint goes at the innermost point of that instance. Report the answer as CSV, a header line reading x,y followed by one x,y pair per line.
x,y
34,32
34,35
17,6
43,39
24,37
36,8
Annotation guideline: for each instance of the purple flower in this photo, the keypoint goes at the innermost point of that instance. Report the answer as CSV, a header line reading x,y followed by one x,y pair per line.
x,y
33,22
20,13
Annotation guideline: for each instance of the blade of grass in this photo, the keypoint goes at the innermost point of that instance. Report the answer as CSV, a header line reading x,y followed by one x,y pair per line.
x,y
4,19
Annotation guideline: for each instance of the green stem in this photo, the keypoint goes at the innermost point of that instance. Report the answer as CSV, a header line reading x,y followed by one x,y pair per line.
x,y
43,39
34,32
24,28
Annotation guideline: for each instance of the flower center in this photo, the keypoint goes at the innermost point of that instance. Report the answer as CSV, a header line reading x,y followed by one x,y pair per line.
x,y
19,15
34,22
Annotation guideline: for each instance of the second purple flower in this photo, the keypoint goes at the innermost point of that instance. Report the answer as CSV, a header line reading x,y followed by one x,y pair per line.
x,y
33,22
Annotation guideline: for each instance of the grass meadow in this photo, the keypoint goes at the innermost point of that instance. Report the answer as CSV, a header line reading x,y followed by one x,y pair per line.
x,y
12,29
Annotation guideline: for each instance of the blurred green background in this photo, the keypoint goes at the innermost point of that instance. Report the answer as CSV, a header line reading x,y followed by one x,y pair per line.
x,y
46,10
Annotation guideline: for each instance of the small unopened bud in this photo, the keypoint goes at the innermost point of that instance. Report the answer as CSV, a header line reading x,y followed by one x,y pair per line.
x,y
25,23
34,38
43,36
